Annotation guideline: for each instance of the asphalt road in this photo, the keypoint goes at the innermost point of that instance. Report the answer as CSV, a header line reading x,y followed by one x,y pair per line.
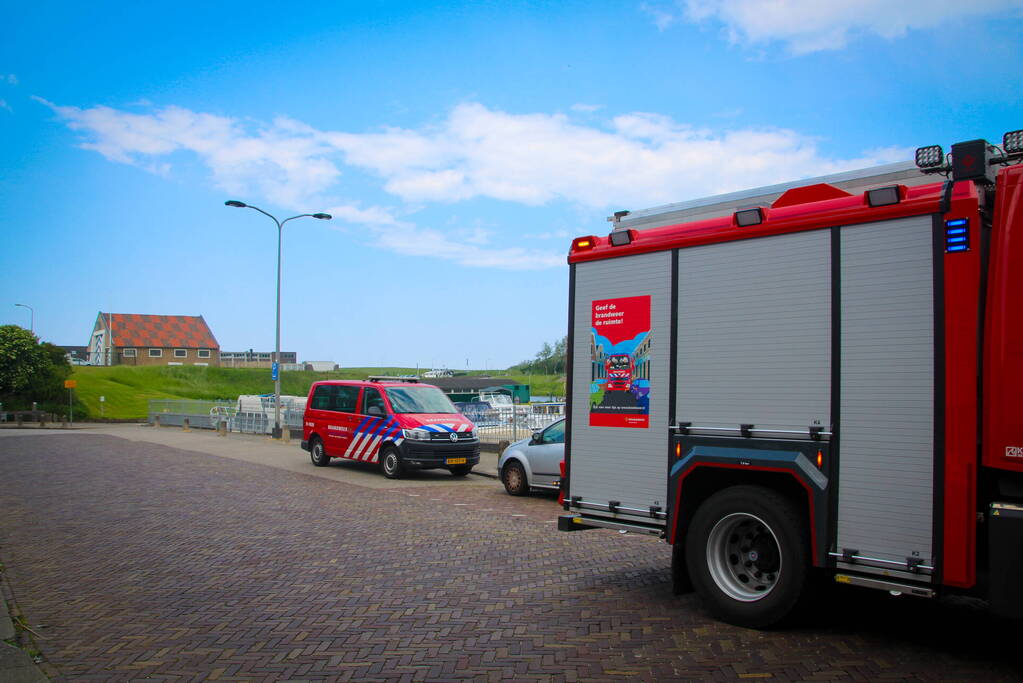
x,y
136,560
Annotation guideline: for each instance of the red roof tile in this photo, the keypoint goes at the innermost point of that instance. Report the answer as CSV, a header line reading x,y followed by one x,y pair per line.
x,y
178,331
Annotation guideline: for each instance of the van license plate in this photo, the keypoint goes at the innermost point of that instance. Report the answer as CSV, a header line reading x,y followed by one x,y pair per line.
x,y
455,461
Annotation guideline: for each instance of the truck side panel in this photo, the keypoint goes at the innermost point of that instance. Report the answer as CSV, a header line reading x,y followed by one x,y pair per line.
x,y
887,404
1003,353
754,333
621,464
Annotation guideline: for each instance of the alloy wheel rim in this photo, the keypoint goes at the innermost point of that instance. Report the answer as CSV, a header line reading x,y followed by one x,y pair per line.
x,y
744,557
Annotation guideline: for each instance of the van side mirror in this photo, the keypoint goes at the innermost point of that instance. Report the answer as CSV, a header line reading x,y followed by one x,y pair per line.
x,y
375,410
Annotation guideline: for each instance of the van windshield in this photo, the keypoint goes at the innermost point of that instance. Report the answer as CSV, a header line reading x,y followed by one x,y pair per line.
x,y
419,400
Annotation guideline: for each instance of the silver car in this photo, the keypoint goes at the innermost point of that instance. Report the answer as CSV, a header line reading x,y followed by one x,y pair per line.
x,y
534,463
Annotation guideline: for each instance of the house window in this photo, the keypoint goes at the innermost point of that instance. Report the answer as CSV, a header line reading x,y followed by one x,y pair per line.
x,y
128,353
155,353
180,353
204,353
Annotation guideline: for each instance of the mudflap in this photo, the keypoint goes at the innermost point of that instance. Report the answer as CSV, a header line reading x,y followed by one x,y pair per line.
x,y
1005,555
680,583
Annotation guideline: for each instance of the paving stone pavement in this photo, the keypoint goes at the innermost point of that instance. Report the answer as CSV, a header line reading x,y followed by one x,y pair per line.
x,y
140,561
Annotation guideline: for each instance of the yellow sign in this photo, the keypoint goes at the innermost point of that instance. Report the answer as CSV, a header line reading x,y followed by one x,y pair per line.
x,y
70,383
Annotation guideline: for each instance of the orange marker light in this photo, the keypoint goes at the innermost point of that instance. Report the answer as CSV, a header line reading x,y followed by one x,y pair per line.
x,y
678,450
582,243
820,459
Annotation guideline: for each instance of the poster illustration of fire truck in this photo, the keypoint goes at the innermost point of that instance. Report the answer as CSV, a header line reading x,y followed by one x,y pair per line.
x,y
620,362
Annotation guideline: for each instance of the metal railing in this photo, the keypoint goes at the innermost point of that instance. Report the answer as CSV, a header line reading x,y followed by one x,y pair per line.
x,y
209,415
511,423
505,423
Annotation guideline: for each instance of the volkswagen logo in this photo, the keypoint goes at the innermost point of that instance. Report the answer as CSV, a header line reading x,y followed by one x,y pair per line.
x,y
453,436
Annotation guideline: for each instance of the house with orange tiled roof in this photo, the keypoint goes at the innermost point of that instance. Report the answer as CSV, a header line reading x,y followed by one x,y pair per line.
x,y
134,339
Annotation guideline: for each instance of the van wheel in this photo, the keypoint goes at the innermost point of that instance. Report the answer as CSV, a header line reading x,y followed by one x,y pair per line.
x,y
513,476
461,470
318,454
390,464
746,551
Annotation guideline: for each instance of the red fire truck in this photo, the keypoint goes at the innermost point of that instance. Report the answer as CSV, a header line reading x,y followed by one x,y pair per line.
x,y
619,372
833,370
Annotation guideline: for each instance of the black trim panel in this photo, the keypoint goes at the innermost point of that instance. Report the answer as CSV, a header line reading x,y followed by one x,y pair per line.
x,y
569,379
835,454
938,518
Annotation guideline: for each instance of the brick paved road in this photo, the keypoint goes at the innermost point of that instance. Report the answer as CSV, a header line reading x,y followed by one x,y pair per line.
x,y
140,561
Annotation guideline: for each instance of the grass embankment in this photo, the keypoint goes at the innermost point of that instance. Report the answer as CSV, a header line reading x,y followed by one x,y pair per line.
x,y
127,390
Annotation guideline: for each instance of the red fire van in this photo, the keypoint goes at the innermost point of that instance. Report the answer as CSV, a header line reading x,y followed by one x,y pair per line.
x,y
400,424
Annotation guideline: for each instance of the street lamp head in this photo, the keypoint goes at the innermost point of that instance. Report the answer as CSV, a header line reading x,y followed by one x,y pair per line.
x,y
322,216
235,202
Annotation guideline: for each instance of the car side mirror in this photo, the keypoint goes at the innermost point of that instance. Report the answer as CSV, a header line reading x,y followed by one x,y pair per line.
x,y
537,438
375,410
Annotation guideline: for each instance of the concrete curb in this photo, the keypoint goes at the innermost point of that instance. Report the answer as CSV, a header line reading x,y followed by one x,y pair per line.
x,y
16,665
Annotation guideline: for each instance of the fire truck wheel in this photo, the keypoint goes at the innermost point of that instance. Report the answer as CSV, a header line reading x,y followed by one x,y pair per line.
x,y
317,454
390,464
747,556
514,479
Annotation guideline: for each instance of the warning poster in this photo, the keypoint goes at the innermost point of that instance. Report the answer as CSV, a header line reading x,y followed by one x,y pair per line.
x,y
620,362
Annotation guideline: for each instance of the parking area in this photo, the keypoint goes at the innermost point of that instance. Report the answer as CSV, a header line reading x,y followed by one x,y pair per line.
x,y
154,558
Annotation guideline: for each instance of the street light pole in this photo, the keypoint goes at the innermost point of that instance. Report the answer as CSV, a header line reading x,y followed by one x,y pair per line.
x,y
276,433
32,317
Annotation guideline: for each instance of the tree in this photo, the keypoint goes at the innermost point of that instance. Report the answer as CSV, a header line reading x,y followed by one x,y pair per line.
x,y
549,360
30,370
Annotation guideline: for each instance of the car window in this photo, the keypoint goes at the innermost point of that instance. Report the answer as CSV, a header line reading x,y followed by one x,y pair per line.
x,y
424,399
555,433
345,398
322,397
372,398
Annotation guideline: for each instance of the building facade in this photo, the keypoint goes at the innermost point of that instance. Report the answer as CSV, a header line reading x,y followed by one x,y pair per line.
x,y
134,339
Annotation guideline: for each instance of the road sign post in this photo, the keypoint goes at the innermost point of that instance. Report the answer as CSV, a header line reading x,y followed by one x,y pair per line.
x,y
70,385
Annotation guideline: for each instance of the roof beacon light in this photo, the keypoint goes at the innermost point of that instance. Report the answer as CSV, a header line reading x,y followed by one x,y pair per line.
x,y
932,157
620,238
582,243
1012,142
748,217
884,196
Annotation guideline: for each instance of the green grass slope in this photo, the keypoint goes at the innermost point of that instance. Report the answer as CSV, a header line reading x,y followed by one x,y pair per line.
x,y
127,390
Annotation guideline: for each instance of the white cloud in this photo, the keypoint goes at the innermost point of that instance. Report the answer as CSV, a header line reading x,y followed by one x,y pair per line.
x,y
639,160
4,105
9,79
280,161
663,16
631,161
586,108
467,247
813,25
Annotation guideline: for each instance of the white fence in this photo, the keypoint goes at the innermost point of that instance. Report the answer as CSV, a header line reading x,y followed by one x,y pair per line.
x,y
255,415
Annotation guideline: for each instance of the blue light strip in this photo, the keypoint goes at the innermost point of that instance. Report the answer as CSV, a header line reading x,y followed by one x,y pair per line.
x,y
957,235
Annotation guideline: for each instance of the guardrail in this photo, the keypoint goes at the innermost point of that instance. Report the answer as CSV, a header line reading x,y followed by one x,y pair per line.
x,y
210,414
504,423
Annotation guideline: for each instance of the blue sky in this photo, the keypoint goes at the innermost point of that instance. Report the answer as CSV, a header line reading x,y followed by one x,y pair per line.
x,y
460,147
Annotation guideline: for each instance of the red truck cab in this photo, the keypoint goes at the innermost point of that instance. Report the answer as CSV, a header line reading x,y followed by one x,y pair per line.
x,y
399,424
619,372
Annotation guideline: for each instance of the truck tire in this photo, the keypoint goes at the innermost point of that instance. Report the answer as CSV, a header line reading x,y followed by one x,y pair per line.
x,y
747,554
390,463
317,453
513,476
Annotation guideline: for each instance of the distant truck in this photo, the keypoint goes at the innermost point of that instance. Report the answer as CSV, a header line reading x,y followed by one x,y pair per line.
x,y
619,372
834,373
